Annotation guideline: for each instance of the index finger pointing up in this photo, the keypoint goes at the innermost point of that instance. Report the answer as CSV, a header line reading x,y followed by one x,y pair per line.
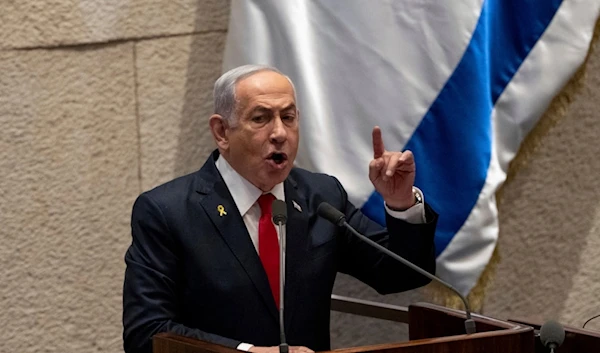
x,y
378,147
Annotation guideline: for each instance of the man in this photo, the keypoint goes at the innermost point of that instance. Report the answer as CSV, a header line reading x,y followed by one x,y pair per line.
x,y
204,261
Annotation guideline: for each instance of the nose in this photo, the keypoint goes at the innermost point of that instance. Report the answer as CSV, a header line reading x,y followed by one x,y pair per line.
x,y
279,133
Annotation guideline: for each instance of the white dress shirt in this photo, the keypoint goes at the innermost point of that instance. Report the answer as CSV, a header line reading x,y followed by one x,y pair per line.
x,y
245,196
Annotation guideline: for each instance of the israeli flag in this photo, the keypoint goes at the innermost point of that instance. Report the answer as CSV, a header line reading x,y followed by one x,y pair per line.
x,y
458,82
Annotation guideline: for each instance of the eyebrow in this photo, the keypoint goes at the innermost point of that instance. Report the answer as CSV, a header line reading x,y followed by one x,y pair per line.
x,y
292,106
263,109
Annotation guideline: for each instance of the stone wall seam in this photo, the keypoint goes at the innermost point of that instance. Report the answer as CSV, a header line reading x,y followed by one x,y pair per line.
x,y
137,115
65,46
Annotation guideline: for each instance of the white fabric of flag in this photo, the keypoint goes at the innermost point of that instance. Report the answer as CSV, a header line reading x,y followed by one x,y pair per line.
x,y
459,82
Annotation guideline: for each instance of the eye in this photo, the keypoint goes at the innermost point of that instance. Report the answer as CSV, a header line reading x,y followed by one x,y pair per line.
x,y
289,118
258,119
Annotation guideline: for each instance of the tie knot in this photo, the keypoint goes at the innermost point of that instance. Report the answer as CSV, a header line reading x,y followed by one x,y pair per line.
x,y
265,201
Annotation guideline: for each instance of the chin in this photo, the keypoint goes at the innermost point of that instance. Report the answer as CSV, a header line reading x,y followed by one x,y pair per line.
x,y
269,182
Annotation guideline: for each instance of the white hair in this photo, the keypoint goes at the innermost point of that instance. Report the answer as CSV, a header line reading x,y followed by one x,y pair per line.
x,y
224,90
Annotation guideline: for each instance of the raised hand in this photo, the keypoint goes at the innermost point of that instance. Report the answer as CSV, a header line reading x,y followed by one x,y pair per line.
x,y
392,174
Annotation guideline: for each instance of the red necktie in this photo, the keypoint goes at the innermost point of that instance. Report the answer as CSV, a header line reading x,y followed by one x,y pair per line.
x,y
268,244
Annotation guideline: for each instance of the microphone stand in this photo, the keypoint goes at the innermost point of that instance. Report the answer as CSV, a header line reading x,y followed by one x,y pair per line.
x,y
283,346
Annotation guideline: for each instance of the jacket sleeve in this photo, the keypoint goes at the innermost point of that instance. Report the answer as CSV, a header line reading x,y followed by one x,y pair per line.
x,y
150,303
414,242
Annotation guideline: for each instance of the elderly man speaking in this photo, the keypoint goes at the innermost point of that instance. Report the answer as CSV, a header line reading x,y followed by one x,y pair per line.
x,y
204,259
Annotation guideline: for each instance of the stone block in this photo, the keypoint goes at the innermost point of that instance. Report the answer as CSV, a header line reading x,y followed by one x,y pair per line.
x,y
48,23
69,166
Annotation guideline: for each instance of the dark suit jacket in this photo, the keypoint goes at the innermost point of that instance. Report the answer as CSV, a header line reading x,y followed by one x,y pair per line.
x,y
193,272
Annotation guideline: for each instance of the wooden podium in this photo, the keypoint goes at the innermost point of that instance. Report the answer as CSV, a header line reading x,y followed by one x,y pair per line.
x,y
432,329
577,340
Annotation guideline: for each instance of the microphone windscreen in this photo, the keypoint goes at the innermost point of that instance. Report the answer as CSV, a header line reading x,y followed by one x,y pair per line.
x,y
279,212
552,332
331,214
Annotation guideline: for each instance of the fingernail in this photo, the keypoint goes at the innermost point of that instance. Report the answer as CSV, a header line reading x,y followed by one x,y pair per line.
x,y
389,173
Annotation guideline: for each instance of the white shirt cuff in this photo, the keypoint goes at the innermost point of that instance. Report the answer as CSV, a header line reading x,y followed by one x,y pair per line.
x,y
244,347
413,215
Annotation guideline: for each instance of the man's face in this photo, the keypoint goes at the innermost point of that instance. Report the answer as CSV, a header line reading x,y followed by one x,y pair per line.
x,y
262,145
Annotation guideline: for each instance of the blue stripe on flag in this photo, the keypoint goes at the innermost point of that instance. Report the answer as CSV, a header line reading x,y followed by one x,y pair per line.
x,y
452,144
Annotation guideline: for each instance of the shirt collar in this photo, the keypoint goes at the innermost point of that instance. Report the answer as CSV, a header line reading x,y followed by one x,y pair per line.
x,y
243,192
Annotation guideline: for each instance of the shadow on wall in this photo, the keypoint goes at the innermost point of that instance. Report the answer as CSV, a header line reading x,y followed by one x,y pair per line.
x,y
548,214
195,141
549,220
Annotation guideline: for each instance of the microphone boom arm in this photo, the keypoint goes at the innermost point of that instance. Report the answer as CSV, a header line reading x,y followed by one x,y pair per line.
x,y
469,323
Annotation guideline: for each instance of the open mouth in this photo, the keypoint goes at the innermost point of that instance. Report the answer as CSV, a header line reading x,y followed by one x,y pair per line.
x,y
278,157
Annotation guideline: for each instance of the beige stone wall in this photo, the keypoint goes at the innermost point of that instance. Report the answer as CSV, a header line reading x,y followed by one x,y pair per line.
x,y
100,100
68,158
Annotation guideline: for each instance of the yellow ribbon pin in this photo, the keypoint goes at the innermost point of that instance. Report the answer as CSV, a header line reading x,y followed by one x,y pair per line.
x,y
221,210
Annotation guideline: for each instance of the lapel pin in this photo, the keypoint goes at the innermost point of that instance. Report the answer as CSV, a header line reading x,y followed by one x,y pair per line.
x,y
296,206
221,210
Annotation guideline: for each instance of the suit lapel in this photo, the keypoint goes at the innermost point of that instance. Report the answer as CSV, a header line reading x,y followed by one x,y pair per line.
x,y
221,209
296,245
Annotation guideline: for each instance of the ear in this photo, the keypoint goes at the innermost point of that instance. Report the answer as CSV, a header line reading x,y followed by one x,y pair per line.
x,y
218,128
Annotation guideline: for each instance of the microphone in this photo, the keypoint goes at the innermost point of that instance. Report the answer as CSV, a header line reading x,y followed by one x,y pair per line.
x,y
336,217
279,213
552,335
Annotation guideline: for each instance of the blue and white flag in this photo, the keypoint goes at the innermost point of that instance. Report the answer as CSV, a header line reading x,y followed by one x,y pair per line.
x,y
458,82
